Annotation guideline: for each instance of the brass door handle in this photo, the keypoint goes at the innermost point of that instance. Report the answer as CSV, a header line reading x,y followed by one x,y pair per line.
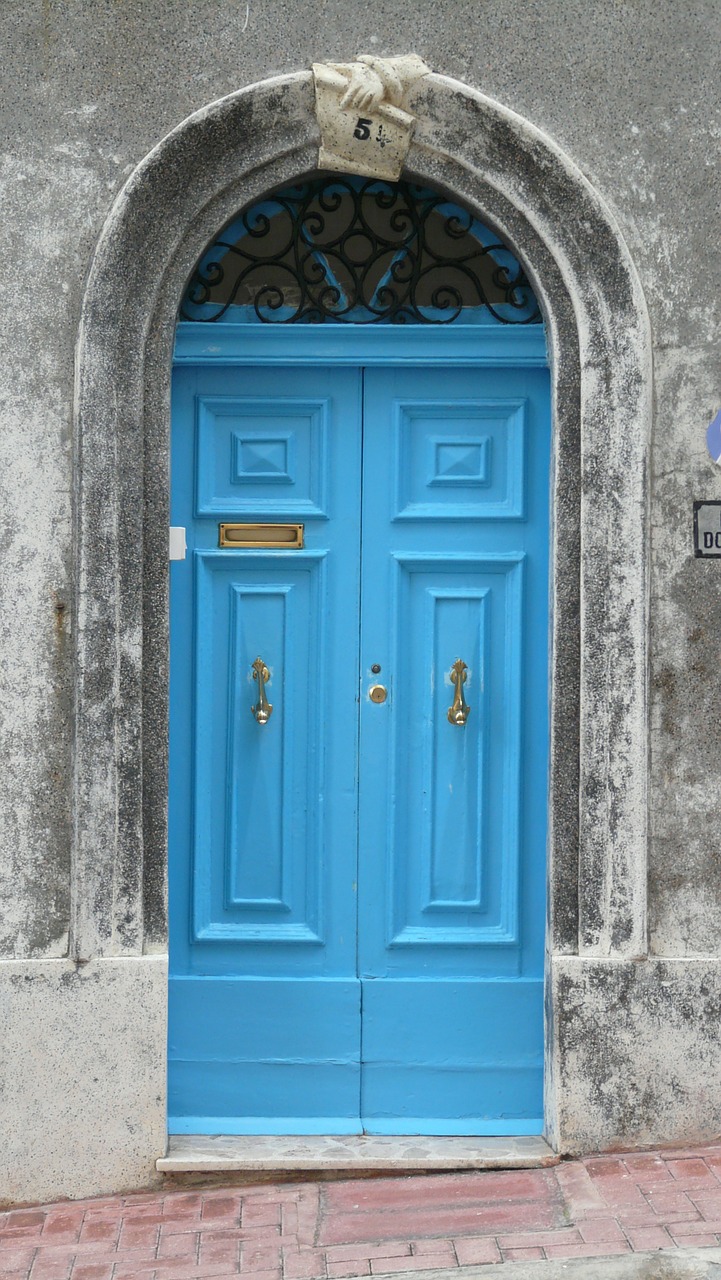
x,y
263,709
460,711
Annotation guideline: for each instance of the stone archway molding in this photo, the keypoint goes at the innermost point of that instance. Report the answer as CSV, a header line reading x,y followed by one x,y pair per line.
x,y
215,162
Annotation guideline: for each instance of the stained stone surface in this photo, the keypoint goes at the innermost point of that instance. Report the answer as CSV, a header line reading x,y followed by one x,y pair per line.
x,y
82,1075
636,1050
199,1153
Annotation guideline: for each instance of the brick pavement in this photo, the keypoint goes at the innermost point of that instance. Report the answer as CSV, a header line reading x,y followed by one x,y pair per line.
x,y
303,1231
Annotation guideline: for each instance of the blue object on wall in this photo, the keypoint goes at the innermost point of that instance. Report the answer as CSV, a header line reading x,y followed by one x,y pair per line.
x,y
713,437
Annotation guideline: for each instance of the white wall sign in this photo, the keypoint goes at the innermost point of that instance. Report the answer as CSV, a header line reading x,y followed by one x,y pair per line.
x,y
707,529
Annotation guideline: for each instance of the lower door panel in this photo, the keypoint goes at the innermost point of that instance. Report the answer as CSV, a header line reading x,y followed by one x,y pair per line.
x,y
452,1057
265,1055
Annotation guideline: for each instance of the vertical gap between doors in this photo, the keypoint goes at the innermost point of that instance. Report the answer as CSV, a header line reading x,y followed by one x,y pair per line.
x,y
360,686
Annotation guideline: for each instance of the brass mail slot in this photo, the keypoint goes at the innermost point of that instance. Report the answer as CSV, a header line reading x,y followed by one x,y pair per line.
x,y
287,536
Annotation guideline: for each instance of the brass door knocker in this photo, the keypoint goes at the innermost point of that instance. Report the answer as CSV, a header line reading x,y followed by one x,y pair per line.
x,y
263,709
460,711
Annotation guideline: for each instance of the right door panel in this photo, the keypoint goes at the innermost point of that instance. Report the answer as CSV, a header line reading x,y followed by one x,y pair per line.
x,y
453,815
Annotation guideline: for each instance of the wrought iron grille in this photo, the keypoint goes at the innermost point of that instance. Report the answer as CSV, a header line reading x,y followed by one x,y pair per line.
x,y
346,250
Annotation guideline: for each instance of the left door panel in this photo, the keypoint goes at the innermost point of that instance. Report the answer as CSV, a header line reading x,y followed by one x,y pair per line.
x,y
264,998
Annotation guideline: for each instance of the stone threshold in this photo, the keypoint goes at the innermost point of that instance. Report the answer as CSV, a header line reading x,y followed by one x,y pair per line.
x,y
352,1156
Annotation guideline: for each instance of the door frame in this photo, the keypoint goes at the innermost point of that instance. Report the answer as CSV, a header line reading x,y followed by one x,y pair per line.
x,y
471,345
518,181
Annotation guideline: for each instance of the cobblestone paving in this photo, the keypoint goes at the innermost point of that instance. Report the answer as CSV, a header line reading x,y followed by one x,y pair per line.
x,y
300,1231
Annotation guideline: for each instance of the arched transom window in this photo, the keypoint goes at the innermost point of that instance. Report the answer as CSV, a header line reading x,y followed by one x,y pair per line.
x,y
343,250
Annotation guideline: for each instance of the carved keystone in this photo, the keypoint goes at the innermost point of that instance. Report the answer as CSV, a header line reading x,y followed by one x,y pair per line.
x,y
361,107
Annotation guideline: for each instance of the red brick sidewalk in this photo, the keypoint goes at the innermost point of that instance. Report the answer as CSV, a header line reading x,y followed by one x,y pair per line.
x,y
581,1208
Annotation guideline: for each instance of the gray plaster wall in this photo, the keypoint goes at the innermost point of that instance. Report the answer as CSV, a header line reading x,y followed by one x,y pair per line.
x,y
630,92
636,1055
81,1076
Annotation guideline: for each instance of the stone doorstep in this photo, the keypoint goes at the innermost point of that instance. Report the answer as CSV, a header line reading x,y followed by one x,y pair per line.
x,y
197,1153
664,1264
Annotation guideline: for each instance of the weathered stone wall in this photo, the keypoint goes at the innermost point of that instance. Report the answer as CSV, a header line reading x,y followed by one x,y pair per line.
x,y
628,91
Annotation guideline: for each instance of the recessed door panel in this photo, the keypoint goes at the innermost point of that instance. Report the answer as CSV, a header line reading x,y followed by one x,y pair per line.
x,y
262,455
458,458
256,839
453,848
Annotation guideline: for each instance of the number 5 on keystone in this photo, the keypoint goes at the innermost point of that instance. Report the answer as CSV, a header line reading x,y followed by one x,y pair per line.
x,y
362,130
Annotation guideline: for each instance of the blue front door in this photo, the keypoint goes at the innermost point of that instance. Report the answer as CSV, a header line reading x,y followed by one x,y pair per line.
x,y
357,884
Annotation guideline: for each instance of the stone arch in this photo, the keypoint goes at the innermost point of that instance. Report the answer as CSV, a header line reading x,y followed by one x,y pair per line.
x,y
484,155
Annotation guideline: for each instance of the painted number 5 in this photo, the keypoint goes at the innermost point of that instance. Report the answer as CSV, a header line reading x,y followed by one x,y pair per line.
x,y
362,129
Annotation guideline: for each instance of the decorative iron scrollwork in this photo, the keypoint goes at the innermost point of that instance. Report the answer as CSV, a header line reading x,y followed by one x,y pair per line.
x,y
347,250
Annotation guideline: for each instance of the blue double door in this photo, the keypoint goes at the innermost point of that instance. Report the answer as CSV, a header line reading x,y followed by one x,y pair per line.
x,y
357,875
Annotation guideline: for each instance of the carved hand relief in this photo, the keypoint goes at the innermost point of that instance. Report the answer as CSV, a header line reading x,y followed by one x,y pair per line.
x,y
362,111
